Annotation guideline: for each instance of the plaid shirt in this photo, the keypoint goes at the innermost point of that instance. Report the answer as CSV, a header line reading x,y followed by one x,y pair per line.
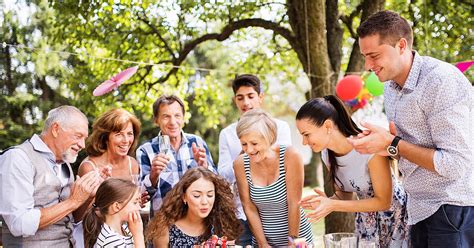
x,y
181,161
434,109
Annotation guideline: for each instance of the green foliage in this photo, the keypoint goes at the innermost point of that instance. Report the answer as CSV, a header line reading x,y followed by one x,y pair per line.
x,y
154,34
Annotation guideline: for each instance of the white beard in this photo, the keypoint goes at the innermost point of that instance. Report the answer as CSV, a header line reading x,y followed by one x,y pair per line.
x,y
68,157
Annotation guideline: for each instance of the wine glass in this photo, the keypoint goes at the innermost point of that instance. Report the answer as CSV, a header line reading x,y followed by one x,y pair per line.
x,y
164,143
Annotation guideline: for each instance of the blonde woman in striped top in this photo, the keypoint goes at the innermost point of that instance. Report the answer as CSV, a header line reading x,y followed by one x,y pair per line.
x,y
270,182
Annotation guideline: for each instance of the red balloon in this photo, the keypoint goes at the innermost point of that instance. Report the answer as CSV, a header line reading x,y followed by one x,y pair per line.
x,y
349,87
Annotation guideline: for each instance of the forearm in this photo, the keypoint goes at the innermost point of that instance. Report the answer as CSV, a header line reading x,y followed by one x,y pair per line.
x,y
365,205
138,241
340,195
293,220
418,155
255,224
56,212
81,211
153,180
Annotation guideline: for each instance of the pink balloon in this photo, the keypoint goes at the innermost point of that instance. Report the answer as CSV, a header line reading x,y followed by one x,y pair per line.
x,y
463,66
349,87
115,81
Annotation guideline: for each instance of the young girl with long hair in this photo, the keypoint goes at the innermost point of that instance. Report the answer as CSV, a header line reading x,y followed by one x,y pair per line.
x,y
199,205
114,220
380,209
110,149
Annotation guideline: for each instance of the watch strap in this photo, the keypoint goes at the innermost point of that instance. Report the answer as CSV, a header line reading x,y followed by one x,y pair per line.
x,y
395,141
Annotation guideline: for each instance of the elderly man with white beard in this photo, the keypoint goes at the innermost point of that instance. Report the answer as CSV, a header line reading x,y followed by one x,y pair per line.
x,y
38,192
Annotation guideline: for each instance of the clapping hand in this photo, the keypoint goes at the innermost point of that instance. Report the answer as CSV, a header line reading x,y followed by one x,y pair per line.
x,y
199,154
105,172
85,187
320,203
373,140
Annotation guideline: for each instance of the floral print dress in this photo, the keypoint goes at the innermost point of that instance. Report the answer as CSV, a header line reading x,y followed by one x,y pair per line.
x,y
387,228
180,239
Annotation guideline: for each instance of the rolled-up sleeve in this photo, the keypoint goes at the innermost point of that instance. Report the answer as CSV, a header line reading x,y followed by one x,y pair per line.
x,y
450,124
16,196
225,165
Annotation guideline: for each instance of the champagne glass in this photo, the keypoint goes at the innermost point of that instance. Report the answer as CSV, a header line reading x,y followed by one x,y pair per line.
x,y
164,143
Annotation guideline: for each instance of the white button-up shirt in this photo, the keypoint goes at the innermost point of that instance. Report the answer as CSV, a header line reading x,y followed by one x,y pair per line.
x,y
17,188
435,109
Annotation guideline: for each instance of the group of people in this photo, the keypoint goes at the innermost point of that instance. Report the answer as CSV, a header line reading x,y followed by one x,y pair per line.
x,y
254,194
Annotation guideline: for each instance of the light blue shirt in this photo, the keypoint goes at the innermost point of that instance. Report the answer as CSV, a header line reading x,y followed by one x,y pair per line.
x,y
435,109
230,148
16,183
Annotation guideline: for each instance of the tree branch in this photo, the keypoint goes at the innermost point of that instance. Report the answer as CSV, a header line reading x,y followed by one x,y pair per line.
x,y
155,31
226,33
349,19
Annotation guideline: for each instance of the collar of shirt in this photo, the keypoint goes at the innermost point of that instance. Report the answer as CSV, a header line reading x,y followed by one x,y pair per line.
x,y
413,75
39,145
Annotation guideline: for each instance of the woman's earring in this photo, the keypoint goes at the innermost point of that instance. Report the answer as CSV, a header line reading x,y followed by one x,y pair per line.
x,y
185,203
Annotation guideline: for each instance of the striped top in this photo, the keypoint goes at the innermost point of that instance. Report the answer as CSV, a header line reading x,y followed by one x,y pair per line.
x,y
110,238
272,204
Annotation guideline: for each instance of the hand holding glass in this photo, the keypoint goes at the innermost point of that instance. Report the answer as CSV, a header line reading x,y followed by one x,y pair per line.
x,y
164,143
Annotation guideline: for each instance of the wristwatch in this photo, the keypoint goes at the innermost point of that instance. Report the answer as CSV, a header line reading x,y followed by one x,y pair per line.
x,y
392,149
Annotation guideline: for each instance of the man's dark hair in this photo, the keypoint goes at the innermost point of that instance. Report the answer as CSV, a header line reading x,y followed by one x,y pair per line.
x,y
246,80
168,100
389,25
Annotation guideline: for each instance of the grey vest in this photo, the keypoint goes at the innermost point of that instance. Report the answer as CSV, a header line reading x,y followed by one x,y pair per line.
x,y
48,192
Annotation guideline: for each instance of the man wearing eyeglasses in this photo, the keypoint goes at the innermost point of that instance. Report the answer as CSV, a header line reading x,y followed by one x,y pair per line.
x,y
38,189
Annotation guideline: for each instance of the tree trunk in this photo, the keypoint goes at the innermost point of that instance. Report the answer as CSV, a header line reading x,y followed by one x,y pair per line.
x,y
356,61
312,45
311,172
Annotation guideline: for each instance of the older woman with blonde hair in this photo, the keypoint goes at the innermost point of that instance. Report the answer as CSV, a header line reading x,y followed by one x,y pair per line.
x,y
270,180
111,147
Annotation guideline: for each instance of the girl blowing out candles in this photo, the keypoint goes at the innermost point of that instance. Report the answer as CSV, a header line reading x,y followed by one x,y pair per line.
x,y
199,205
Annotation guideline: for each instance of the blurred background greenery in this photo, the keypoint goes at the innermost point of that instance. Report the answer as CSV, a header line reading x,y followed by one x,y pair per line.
x,y
57,52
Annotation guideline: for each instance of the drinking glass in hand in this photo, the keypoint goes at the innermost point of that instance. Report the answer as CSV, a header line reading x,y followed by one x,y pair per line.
x,y
164,143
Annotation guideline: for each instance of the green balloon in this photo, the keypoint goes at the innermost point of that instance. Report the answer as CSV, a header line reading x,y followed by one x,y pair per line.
x,y
374,86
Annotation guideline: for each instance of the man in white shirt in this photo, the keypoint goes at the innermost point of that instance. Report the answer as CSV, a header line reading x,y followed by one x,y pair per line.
x,y
38,189
248,95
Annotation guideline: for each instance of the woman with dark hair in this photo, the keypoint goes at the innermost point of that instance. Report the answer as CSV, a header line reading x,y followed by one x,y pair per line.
x,y
199,205
114,220
380,209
